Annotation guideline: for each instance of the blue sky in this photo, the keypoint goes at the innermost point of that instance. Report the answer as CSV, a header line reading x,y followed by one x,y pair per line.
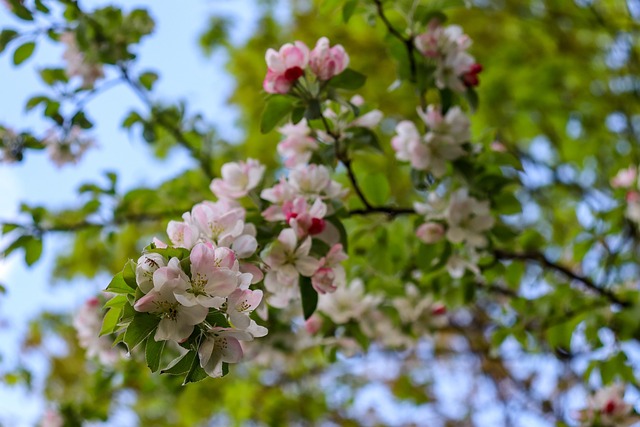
x,y
185,73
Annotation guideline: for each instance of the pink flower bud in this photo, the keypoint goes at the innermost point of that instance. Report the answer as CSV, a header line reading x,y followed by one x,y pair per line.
x,y
323,280
430,232
313,324
285,67
327,62
470,78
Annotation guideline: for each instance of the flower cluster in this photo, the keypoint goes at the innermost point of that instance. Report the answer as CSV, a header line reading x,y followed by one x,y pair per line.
x,y
300,141
11,144
442,143
466,219
183,293
607,408
68,146
289,64
87,323
447,46
302,200
77,65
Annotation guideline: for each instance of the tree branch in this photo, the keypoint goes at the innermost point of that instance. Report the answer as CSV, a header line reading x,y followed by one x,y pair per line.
x,y
541,259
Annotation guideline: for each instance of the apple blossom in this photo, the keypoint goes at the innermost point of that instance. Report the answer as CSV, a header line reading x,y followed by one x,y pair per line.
x,y
285,67
239,304
454,124
607,408
238,178
87,323
348,302
406,140
183,234
455,68
313,324
177,321
77,65
430,232
304,219
468,218
67,147
298,145
221,345
330,274
147,264
327,62
218,225
625,178
287,261
51,418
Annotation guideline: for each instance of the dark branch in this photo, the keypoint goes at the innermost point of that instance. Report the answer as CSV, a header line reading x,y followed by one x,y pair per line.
x,y
541,259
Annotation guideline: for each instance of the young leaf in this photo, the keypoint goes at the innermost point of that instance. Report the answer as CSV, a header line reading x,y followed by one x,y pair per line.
x,y
349,79
5,37
276,109
196,373
152,352
376,187
32,251
180,365
309,297
129,274
148,79
139,329
110,321
348,9
22,53
119,286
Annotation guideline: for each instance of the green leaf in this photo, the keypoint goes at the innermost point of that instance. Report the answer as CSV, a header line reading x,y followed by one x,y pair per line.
x,y
309,297
116,301
349,79
363,138
35,101
180,365
53,75
148,79
19,242
129,274
472,99
314,110
119,286
348,9
297,114
23,52
276,109
139,329
32,251
5,38
376,188
447,98
507,204
20,11
196,373
152,353
110,321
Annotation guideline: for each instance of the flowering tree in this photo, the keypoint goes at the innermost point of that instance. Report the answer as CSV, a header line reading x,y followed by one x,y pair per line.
x,y
378,226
